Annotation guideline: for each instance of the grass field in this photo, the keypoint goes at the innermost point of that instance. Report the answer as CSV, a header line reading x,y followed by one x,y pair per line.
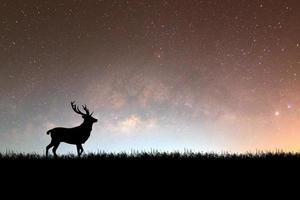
x,y
153,156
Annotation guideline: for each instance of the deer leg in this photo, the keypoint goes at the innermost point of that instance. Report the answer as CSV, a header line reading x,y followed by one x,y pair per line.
x,y
55,148
49,147
79,149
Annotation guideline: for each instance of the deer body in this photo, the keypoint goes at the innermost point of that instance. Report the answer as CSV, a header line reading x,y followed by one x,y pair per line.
x,y
76,136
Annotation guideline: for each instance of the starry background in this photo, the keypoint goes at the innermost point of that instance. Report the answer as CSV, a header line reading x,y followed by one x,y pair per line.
x,y
206,75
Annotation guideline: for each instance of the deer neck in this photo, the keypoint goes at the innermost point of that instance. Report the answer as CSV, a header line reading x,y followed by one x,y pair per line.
x,y
87,125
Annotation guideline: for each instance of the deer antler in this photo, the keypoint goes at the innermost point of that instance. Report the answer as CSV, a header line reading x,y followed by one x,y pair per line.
x,y
86,110
76,109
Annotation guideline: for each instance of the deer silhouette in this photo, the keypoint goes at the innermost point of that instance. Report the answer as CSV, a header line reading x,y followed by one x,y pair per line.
x,y
76,136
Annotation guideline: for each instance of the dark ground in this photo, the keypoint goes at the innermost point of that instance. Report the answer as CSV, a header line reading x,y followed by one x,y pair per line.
x,y
152,173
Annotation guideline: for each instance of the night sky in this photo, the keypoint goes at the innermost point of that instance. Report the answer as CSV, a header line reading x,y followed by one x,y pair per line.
x,y
205,75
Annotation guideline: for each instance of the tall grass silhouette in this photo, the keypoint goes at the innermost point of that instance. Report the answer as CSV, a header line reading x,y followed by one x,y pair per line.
x,y
156,155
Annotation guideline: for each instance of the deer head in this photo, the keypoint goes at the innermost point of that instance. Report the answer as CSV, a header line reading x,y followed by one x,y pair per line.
x,y
87,116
